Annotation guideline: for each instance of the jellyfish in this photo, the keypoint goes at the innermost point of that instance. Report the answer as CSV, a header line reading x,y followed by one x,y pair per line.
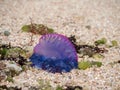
x,y
54,53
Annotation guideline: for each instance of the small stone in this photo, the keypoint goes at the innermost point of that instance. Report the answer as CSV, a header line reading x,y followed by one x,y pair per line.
x,y
7,33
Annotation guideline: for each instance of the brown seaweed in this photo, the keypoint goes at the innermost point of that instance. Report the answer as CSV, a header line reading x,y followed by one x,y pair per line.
x,y
89,50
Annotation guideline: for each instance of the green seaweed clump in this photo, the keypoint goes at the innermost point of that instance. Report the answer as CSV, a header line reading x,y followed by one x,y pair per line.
x,y
37,29
84,65
101,41
114,43
3,52
98,56
87,64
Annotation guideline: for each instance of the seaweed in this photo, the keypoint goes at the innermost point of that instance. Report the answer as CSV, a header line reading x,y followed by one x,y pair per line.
x,y
74,88
34,28
87,64
4,87
17,54
101,41
98,64
84,65
89,50
37,29
114,43
98,56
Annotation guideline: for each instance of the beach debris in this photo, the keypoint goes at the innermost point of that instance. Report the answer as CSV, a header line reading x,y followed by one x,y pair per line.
x,y
14,60
87,64
96,63
3,52
74,88
37,29
7,52
101,41
114,43
98,56
89,50
4,87
15,52
54,53
34,28
84,65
